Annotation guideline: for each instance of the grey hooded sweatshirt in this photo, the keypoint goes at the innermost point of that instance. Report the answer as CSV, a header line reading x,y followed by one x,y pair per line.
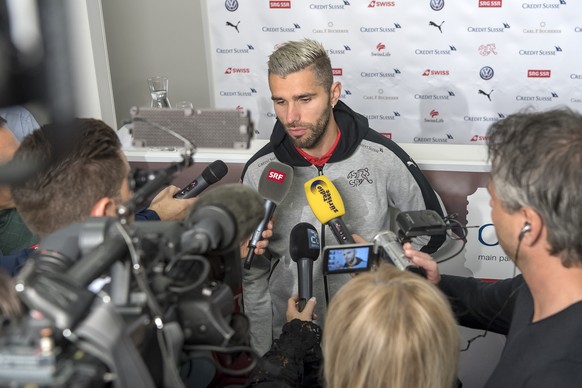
x,y
371,173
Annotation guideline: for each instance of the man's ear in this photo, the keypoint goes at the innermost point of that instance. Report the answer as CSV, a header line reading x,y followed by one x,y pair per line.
x,y
336,90
103,207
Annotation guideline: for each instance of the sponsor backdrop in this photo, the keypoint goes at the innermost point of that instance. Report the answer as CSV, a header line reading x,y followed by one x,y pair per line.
x,y
430,71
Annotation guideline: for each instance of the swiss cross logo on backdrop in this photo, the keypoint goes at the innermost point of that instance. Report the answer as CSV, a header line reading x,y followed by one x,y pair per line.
x,y
276,176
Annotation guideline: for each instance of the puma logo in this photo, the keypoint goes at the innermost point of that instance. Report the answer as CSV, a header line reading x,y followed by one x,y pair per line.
x,y
233,26
436,25
486,94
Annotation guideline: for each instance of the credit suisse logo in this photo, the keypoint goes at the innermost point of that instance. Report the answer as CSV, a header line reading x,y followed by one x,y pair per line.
x,y
490,3
330,6
383,116
279,4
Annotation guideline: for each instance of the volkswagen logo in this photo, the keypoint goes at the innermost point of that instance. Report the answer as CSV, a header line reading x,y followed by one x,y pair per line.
x,y
486,73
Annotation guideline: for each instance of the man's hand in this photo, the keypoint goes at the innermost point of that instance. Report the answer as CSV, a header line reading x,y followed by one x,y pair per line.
x,y
262,244
170,208
305,315
423,260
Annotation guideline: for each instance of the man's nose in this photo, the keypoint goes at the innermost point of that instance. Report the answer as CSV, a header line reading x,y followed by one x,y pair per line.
x,y
292,114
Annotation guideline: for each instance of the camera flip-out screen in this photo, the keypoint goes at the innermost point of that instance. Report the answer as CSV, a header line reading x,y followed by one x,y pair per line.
x,y
348,258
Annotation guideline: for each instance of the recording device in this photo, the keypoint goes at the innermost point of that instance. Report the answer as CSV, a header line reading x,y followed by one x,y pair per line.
x,y
304,248
211,174
386,246
327,205
173,294
274,184
212,128
348,258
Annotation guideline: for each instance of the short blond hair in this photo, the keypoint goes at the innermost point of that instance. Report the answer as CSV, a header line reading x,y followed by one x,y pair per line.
x,y
390,328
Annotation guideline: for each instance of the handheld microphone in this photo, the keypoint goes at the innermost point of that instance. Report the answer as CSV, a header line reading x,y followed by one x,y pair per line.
x,y
327,205
304,249
274,184
214,172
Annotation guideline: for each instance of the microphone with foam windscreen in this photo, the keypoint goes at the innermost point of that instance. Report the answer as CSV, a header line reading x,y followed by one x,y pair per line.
x,y
304,248
327,205
274,184
214,172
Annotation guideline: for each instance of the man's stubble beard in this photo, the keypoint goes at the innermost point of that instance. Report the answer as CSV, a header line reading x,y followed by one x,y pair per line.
x,y
315,132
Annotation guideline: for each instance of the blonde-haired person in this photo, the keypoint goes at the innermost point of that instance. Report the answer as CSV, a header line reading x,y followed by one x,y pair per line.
x,y
398,330
386,328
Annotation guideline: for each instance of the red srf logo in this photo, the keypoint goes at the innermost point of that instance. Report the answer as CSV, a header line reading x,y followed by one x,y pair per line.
x,y
276,176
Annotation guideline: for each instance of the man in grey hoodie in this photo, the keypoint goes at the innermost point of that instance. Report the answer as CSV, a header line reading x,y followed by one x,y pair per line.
x,y
317,134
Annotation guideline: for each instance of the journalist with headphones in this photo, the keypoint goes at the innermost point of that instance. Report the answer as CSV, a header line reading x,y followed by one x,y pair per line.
x,y
536,207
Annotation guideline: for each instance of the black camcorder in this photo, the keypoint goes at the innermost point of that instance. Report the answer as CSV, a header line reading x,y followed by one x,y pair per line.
x,y
113,304
386,246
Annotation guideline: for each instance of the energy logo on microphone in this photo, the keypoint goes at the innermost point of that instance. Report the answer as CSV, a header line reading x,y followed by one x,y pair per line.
x,y
276,176
320,187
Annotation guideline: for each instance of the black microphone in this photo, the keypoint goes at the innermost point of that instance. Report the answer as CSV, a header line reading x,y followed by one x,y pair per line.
x,y
214,172
304,248
274,184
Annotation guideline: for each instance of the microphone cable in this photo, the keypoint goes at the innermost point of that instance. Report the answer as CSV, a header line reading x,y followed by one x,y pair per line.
x,y
169,361
451,218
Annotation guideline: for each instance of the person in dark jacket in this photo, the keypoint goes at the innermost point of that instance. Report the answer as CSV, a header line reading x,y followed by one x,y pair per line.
x,y
536,207
88,177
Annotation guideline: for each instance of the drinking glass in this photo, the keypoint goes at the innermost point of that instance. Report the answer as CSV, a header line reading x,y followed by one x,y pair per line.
x,y
159,91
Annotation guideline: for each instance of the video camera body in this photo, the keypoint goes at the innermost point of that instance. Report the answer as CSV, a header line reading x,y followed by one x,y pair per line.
x,y
386,246
168,292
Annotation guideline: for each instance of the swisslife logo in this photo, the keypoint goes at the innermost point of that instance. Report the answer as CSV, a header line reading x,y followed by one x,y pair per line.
x,y
276,176
539,73
338,71
490,3
279,4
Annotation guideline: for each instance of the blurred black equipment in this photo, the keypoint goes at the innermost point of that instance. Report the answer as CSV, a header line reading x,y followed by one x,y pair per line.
x,y
168,286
